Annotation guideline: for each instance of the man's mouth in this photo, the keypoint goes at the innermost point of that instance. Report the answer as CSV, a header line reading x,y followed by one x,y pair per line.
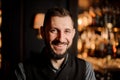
x,y
56,42
60,47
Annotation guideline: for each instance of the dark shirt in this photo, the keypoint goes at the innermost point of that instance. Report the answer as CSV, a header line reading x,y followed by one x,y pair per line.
x,y
41,69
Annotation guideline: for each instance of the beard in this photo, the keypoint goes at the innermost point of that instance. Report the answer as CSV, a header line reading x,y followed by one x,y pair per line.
x,y
52,54
55,56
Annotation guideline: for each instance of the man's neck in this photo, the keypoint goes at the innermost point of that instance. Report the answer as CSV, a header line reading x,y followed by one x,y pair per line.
x,y
57,63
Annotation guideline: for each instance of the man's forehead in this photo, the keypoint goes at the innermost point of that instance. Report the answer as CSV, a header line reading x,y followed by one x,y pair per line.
x,y
66,20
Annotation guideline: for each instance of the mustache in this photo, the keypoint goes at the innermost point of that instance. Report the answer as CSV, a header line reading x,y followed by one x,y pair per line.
x,y
56,42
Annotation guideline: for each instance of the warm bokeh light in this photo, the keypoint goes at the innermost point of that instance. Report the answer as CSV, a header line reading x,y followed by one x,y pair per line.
x,y
116,29
79,45
84,4
38,22
84,20
109,25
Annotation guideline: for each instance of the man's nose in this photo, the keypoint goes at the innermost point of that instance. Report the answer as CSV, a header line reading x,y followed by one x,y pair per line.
x,y
61,36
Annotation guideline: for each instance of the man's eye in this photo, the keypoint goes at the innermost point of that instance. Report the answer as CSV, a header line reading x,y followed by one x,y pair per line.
x,y
68,31
53,31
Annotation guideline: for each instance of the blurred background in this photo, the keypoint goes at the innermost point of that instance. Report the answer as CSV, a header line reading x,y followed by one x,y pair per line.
x,y
97,39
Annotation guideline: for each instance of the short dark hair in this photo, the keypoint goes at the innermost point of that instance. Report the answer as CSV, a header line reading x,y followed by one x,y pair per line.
x,y
61,12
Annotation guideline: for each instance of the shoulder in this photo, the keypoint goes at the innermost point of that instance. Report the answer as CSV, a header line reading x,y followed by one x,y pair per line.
x,y
22,67
84,63
89,71
80,61
88,64
19,72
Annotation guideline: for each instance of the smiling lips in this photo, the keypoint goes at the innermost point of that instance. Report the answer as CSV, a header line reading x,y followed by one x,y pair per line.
x,y
60,47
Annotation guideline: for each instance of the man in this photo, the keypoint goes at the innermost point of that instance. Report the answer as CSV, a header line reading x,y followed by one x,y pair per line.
x,y
55,62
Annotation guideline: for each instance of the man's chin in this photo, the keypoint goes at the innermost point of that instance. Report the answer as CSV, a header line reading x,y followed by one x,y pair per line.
x,y
58,56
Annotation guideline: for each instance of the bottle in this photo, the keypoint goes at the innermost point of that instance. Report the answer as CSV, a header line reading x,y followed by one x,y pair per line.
x,y
109,46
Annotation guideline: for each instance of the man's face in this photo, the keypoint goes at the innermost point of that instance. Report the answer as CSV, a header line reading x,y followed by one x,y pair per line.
x,y
59,34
